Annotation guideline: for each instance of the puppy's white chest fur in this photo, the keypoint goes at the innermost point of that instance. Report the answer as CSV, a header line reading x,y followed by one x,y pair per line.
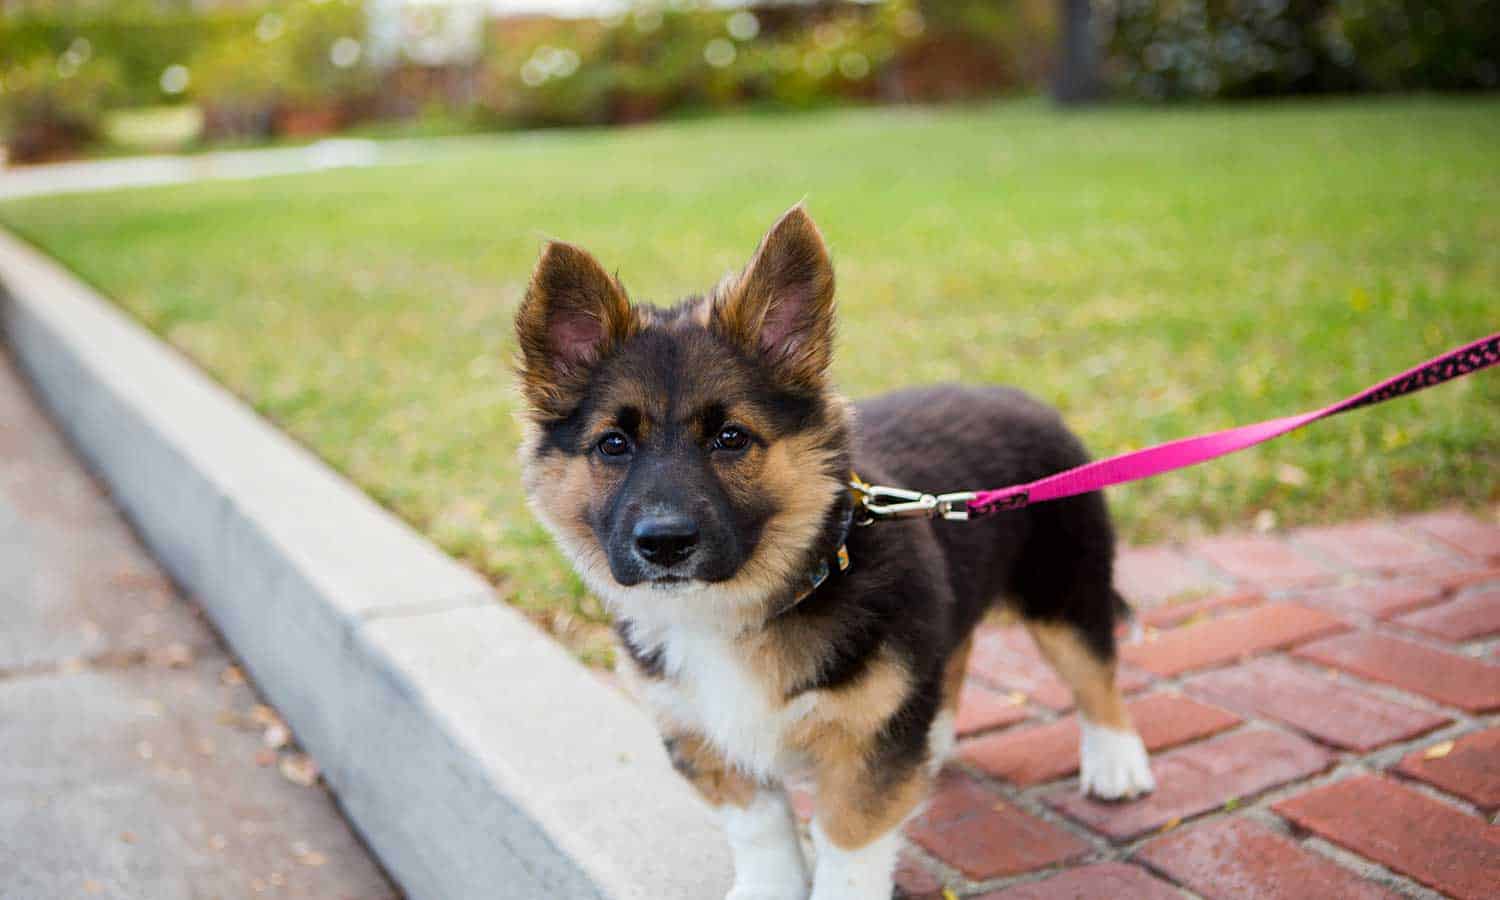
x,y
713,688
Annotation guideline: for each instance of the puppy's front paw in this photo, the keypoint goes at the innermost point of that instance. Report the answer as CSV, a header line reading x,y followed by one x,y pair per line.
x,y
1113,764
789,891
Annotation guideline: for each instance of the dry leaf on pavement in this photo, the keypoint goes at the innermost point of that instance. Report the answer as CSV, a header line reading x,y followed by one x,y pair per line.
x,y
299,768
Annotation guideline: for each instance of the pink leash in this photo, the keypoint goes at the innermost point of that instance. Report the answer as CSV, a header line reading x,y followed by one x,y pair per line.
x,y
1180,454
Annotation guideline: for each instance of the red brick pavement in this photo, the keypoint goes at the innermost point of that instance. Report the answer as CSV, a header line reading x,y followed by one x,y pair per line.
x,y
1322,710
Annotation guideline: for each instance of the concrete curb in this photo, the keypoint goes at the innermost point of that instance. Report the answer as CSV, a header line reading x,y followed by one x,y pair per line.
x,y
476,757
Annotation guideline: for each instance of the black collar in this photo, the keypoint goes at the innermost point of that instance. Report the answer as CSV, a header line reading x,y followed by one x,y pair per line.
x,y
838,560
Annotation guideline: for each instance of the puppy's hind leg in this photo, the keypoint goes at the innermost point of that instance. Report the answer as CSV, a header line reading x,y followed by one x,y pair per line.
x,y
1112,759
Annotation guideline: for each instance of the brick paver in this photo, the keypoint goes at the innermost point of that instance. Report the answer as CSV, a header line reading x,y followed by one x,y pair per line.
x,y
1381,599
1430,841
1264,561
1464,533
1173,615
981,708
1232,859
1151,575
1334,711
1198,778
1465,619
983,835
1113,880
1445,677
1049,752
1371,547
1224,640
1270,664
1468,767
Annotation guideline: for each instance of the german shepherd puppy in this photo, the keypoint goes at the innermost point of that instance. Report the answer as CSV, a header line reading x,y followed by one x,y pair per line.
x,y
694,465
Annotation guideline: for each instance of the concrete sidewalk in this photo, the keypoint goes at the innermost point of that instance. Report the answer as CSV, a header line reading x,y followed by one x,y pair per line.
x,y
137,761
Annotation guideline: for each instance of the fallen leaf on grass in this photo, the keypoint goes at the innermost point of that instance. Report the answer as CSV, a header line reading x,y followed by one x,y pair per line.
x,y
1438,751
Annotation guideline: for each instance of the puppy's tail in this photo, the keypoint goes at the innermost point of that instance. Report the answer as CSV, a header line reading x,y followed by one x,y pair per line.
x,y
1125,615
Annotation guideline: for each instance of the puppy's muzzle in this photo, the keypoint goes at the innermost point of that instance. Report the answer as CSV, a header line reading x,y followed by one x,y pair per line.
x,y
666,540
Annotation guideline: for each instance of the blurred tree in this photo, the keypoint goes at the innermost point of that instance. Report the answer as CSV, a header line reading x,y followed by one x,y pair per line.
x,y
1077,79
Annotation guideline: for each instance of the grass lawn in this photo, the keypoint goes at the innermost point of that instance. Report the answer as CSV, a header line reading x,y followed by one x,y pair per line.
x,y
1153,272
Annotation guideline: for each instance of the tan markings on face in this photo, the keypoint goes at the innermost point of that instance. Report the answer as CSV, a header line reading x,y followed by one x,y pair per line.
x,y
790,476
720,783
1091,678
560,489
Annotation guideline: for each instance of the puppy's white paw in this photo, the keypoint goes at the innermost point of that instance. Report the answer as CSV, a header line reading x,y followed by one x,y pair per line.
x,y
768,863
1113,763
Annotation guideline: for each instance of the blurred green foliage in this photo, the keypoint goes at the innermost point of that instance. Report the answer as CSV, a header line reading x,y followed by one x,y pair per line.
x,y
1165,49
41,110
298,67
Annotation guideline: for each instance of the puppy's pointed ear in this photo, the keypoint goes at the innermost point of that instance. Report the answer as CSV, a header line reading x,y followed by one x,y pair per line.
x,y
573,315
781,306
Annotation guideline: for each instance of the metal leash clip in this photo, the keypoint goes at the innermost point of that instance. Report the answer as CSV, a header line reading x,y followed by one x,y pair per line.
x,y
881,503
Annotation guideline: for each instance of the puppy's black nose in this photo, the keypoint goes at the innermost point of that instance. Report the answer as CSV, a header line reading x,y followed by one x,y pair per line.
x,y
666,540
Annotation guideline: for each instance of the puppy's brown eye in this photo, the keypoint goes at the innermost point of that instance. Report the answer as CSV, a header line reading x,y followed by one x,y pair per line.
x,y
614,444
732,437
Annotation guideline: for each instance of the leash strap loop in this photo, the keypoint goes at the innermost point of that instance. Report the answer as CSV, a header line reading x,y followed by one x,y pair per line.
x,y
881,503
1180,454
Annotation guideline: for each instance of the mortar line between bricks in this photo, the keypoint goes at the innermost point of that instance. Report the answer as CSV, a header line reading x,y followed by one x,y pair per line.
x,y
1391,629
947,876
1295,540
1352,862
1348,679
1369,870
